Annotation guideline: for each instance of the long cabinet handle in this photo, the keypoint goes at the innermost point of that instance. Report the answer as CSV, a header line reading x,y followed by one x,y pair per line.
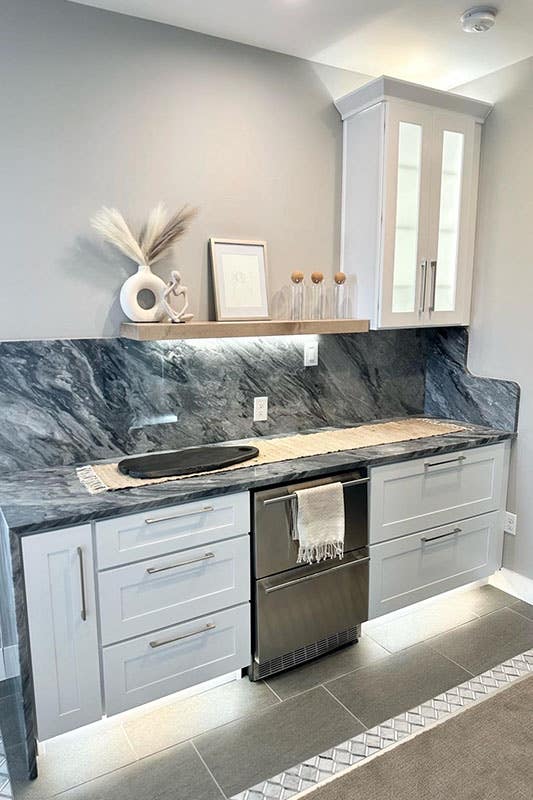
x,y
422,304
162,642
433,265
153,520
82,585
442,536
292,496
457,460
154,570
357,563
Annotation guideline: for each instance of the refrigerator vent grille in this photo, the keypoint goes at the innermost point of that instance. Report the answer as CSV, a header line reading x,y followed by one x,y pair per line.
x,y
303,654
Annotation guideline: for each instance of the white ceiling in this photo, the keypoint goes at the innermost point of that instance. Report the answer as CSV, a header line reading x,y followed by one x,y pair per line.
x,y
419,40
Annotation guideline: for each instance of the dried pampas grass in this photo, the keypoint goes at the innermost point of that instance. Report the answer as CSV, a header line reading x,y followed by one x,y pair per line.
x,y
157,237
110,224
157,219
169,233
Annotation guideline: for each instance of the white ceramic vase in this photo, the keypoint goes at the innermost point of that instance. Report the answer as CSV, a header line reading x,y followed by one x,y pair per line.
x,y
143,280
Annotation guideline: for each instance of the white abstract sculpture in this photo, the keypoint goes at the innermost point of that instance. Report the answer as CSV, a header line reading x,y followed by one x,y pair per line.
x,y
175,289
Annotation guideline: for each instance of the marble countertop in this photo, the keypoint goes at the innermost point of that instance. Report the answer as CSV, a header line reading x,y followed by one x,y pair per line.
x,y
52,498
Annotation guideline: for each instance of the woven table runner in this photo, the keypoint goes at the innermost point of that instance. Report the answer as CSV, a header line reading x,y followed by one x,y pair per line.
x,y
106,477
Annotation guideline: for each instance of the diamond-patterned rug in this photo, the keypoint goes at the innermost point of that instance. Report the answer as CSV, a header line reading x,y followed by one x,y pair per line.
x,y
322,767
5,785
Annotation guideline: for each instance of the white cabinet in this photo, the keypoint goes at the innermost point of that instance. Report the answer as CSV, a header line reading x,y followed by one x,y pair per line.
x,y
61,603
436,523
412,568
149,667
160,603
426,492
174,597
410,175
167,530
148,595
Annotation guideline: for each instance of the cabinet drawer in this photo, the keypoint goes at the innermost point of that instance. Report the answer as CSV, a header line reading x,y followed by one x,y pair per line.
x,y
299,607
404,571
159,664
424,493
155,533
154,594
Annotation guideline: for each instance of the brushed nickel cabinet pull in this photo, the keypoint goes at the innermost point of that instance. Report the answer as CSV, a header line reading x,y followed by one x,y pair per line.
x,y
442,536
433,285
152,520
154,570
430,464
422,304
82,585
209,627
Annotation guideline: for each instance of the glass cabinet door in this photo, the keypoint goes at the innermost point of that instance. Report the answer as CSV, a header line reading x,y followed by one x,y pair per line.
x,y
404,277
453,143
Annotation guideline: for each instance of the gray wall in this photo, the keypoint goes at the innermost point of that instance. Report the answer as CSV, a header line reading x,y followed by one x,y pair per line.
x,y
501,334
99,108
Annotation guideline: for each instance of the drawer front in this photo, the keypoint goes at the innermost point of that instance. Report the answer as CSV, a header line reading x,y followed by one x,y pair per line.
x,y
424,493
155,533
160,592
159,664
404,571
298,608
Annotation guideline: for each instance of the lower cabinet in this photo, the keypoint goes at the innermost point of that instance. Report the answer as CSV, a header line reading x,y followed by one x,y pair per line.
x,y
61,603
412,568
155,665
105,641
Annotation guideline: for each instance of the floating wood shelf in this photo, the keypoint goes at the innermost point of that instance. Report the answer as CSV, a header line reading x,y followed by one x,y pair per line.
x,y
150,331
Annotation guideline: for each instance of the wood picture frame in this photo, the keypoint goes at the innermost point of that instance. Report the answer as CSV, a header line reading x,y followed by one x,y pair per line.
x,y
240,279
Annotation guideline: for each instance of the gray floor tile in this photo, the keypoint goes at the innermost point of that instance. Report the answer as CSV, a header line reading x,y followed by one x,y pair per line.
x,y
330,666
395,684
414,627
175,774
486,599
8,687
242,753
184,719
11,721
74,759
523,608
488,641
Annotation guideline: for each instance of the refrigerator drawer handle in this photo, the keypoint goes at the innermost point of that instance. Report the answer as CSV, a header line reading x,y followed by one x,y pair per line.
x,y
289,497
286,585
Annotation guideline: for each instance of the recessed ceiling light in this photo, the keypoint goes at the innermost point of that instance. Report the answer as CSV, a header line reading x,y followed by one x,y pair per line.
x,y
478,19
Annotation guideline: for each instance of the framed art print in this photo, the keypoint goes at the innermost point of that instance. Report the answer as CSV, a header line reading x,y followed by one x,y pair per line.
x,y
240,281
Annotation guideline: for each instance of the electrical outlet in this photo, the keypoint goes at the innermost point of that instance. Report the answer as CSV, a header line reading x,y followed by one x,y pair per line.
x,y
510,523
260,409
311,354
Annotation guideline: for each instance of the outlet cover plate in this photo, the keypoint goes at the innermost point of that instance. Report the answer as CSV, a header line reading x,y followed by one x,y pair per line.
x,y
510,523
311,354
260,409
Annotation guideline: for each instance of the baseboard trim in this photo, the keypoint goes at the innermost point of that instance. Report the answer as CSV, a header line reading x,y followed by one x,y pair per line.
x,y
513,583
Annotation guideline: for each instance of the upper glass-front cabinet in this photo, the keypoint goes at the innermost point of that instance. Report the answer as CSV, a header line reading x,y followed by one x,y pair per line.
x,y
429,158
409,203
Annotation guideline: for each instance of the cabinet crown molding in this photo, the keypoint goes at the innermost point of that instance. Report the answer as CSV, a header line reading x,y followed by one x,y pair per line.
x,y
386,88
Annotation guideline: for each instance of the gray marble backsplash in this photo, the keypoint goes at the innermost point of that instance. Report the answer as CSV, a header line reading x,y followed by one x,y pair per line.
x,y
71,401
451,391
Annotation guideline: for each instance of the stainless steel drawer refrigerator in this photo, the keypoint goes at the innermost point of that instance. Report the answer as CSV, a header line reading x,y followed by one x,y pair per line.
x,y
302,611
